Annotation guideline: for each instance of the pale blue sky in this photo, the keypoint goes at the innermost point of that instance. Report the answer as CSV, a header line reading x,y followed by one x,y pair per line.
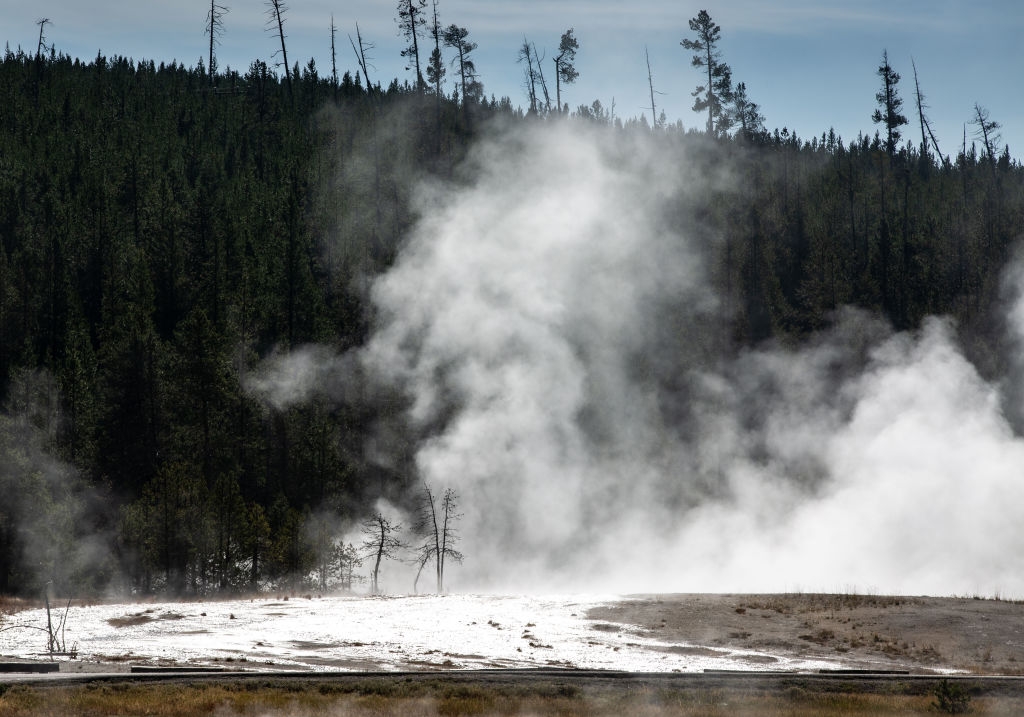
x,y
809,63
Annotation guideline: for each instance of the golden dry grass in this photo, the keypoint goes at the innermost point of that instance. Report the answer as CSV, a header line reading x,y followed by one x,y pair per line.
x,y
438,697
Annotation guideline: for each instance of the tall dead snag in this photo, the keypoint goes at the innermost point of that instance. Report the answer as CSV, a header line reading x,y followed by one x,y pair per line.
x,y
987,132
275,20
42,23
381,541
40,48
650,84
529,74
926,128
438,523
539,59
334,59
214,28
361,56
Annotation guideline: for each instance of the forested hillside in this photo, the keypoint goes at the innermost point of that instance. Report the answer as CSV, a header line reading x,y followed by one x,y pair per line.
x,y
164,232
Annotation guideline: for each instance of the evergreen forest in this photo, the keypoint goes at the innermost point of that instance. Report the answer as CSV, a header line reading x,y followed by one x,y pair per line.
x,y
164,229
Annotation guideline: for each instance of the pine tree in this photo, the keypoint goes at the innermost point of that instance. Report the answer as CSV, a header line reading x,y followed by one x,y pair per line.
x,y
889,105
716,92
565,68
455,37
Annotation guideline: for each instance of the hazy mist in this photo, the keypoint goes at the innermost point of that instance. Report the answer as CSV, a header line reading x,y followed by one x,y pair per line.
x,y
553,324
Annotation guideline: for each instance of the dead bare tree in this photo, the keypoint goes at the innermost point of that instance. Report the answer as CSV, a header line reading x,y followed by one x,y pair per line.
x,y
539,59
215,28
381,542
438,522
334,57
650,84
987,132
276,10
421,561
361,55
529,73
361,58
56,645
926,128
42,23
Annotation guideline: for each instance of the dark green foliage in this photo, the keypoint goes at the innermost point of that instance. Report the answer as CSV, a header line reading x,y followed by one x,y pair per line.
x,y
162,229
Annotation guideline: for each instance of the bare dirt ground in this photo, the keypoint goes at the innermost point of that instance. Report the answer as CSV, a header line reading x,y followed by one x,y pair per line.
x,y
919,634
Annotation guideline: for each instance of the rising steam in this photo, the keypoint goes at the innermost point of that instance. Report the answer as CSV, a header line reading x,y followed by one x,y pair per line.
x,y
552,323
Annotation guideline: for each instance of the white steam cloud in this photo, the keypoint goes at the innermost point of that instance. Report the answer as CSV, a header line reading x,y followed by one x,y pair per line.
x,y
553,326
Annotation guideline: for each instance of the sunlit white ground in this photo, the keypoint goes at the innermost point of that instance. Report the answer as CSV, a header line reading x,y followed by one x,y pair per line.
x,y
378,633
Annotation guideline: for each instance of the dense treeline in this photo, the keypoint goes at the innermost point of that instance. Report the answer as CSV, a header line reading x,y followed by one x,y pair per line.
x,y
162,233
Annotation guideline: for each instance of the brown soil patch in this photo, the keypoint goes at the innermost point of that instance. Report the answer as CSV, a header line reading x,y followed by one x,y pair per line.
x,y
920,634
141,618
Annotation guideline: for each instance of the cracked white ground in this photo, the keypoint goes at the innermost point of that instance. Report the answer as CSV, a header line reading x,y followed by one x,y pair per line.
x,y
373,633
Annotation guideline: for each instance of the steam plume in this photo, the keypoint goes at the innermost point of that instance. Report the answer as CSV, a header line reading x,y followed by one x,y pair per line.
x,y
551,322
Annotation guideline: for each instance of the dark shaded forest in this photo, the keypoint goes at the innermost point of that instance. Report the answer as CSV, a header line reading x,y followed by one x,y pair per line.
x,y
164,229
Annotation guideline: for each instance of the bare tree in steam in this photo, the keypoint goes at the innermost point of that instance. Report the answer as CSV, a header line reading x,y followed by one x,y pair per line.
x,y
381,542
437,522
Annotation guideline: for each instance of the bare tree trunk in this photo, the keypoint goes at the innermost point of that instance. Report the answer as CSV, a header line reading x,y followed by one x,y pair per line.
x,y
437,536
278,8
540,76
334,58
650,84
376,566
42,40
361,56
526,53
558,85
213,35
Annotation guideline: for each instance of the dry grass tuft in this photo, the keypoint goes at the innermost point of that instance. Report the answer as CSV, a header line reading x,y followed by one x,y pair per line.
x,y
795,603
